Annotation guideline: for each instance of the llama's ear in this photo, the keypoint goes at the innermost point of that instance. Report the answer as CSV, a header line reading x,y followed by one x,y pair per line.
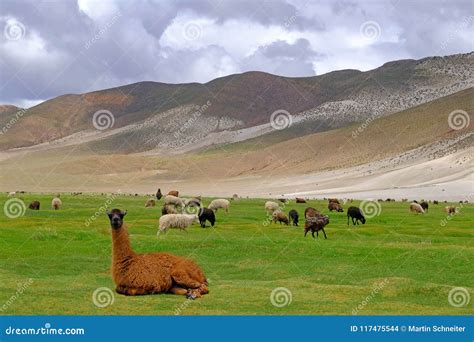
x,y
124,213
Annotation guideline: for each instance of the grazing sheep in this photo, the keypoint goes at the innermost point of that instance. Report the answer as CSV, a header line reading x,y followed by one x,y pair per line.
x,y
311,212
335,206
56,203
173,193
150,203
416,208
181,221
435,202
12,194
176,201
356,215
380,200
300,200
193,202
283,200
333,200
315,224
159,194
168,209
206,214
450,210
219,203
151,273
35,205
294,217
271,206
424,205
235,197
280,217
404,199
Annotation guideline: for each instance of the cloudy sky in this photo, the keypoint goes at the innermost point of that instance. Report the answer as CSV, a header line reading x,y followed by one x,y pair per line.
x,y
49,48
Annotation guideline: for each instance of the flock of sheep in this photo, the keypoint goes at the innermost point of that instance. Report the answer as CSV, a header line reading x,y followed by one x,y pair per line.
x,y
181,213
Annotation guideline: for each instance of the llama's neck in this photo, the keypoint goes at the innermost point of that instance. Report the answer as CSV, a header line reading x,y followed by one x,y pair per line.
x,y
121,249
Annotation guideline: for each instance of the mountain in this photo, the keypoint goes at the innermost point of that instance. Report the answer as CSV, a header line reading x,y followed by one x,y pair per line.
x,y
163,118
414,153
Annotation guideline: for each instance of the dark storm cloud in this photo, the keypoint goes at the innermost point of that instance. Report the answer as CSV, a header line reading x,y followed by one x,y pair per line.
x,y
49,48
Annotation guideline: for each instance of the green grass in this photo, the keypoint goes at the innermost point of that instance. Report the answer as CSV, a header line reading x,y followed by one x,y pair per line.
x,y
420,261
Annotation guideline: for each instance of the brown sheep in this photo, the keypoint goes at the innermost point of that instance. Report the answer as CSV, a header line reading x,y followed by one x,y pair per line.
x,y
416,208
174,193
151,273
168,209
311,212
333,200
280,217
150,203
35,205
335,206
300,200
315,224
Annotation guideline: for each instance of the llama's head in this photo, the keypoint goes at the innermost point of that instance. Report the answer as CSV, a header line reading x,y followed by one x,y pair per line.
x,y
116,218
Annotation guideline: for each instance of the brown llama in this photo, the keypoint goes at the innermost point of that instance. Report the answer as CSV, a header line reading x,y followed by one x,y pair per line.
x,y
150,273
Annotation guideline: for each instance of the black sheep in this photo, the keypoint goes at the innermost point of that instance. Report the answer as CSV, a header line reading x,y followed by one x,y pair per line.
x,y
159,194
35,205
356,215
294,217
424,205
206,214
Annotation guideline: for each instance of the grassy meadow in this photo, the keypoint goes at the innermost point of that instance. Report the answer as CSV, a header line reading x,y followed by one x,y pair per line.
x,y
397,263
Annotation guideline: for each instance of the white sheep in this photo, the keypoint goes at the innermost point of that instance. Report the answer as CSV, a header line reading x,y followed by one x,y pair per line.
x,y
181,221
416,208
56,203
176,201
12,194
219,203
271,207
